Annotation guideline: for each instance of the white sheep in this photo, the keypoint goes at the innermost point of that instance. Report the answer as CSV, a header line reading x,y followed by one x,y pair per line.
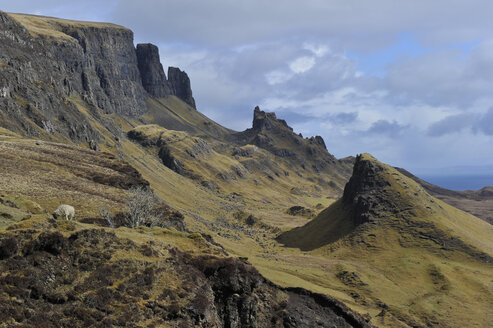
x,y
64,210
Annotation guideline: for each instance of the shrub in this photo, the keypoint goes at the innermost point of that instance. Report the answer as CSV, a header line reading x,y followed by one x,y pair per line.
x,y
106,214
143,208
141,205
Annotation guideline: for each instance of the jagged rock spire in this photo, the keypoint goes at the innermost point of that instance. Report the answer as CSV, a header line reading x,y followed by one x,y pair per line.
x,y
151,70
154,79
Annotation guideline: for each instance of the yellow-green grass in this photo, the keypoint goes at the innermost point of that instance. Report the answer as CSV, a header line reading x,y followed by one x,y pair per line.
x,y
211,160
51,174
173,113
50,26
420,280
404,278
394,275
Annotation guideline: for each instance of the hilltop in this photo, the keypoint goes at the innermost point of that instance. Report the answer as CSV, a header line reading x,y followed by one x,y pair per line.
x,y
388,235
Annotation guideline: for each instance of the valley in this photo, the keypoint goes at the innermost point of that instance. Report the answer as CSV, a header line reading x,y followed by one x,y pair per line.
x,y
279,232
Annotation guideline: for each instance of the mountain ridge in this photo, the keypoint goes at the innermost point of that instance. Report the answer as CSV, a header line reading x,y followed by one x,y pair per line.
x,y
96,63
234,189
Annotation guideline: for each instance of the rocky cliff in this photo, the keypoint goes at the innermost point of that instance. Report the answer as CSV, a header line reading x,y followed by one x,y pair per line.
x,y
179,84
151,70
154,79
49,66
309,154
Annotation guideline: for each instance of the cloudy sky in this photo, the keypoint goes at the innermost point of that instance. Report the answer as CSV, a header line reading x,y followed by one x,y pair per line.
x,y
409,81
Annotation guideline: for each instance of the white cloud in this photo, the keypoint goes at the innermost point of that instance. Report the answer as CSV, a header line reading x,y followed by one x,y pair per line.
x,y
278,76
319,50
302,64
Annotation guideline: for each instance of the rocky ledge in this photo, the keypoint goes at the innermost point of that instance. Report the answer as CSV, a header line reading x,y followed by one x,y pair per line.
x,y
94,278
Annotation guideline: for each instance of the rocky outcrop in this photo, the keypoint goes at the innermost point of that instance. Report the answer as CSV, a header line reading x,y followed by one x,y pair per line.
x,y
366,191
48,74
45,78
243,298
179,84
308,154
88,280
267,121
318,140
154,79
376,191
151,70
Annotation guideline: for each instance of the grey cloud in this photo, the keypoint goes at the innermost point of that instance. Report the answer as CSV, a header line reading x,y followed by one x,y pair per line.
x,y
384,127
448,77
485,123
293,116
224,22
477,123
451,124
344,118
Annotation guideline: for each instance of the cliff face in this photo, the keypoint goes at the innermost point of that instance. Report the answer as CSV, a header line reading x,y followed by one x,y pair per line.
x,y
48,65
151,70
154,80
179,84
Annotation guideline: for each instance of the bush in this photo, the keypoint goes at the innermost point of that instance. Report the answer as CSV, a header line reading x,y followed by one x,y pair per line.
x,y
141,205
106,214
143,208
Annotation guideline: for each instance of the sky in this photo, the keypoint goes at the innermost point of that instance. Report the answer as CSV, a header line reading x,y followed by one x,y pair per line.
x,y
410,82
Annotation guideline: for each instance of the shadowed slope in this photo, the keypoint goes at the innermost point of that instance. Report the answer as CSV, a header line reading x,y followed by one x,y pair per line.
x,y
329,226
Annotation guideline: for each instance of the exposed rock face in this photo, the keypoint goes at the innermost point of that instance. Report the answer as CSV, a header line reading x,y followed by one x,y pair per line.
x,y
267,121
42,77
179,84
318,140
366,191
154,79
46,77
309,154
151,70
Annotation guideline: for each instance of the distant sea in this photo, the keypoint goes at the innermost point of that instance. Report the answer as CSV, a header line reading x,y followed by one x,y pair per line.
x,y
460,182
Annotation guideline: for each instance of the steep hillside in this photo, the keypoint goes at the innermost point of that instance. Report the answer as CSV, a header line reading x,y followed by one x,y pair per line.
x,y
46,63
74,274
249,171
308,154
59,273
476,202
85,115
387,235
38,176
174,114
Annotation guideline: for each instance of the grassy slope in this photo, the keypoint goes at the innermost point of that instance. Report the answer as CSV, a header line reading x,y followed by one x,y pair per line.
x,y
477,202
379,270
329,226
49,26
50,174
174,114
420,275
